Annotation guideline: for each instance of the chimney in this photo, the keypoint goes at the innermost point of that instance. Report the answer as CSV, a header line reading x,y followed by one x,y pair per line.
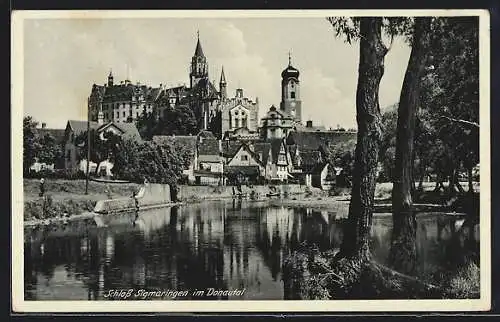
x,y
239,92
309,123
44,125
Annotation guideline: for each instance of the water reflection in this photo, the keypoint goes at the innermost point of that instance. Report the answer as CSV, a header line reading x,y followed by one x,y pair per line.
x,y
220,245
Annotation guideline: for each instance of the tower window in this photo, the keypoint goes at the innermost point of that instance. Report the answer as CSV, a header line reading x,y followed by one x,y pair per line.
x,y
292,94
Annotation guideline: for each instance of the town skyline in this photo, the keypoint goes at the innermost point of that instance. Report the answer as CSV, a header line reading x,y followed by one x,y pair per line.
x,y
328,65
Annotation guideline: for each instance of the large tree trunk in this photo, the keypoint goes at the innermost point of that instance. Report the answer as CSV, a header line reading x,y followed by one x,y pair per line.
x,y
403,249
355,243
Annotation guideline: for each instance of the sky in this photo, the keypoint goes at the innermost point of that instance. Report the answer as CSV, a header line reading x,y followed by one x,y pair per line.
x,y
64,57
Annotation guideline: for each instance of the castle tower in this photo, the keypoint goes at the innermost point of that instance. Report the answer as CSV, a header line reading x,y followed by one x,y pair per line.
x,y
199,66
290,92
223,85
110,78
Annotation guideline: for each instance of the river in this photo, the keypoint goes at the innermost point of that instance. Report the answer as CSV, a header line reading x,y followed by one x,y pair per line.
x,y
221,245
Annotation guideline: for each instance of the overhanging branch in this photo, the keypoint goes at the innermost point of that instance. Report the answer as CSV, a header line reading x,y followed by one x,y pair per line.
x,y
473,124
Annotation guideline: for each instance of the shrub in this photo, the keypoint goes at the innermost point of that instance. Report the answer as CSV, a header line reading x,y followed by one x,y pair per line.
x,y
465,284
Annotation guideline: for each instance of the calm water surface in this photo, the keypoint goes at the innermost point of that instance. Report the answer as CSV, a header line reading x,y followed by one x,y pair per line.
x,y
222,245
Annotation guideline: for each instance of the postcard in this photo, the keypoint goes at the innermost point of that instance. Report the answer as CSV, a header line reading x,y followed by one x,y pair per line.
x,y
251,161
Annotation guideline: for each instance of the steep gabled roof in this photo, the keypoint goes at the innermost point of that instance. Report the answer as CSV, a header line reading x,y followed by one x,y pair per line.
x,y
316,140
129,130
230,147
276,145
208,146
247,148
79,127
120,92
262,148
206,134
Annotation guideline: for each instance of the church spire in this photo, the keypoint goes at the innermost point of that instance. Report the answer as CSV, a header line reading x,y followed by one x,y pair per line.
x,y
222,85
222,76
198,51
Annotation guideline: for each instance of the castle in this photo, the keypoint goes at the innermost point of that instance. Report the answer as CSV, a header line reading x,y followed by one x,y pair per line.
x,y
213,108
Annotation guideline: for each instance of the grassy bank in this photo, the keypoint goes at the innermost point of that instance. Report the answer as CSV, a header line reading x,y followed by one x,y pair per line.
x,y
67,197
64,198
314,275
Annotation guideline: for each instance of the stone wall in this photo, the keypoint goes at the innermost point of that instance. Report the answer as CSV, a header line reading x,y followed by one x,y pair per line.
x,y
153,195
187,193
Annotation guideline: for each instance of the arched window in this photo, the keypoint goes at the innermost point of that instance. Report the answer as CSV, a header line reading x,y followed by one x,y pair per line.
x,y
292,94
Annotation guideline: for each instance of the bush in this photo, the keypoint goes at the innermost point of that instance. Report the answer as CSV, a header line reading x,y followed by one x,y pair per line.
x,y
465,284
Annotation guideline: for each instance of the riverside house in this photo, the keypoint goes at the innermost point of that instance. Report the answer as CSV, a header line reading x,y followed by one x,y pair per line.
x,y
75,128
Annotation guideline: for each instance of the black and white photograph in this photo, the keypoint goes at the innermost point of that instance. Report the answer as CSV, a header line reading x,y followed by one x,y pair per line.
x,y
198,161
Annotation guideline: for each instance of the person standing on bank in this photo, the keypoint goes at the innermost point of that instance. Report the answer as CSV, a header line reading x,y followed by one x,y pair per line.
x,y
42,187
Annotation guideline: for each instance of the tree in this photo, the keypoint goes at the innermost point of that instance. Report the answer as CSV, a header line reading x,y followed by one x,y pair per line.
x,y
146,124
51,151
101,149
372,51
159,163
177,120
37,146
403,249
31,144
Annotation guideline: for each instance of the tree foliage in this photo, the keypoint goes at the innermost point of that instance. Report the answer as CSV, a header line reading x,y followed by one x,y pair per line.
x,y
159,163
101,148
449,99
39,146
177,120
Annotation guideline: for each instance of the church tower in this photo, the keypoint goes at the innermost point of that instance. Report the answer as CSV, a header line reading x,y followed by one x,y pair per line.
x,y
290,92
199,66
110,78
223,85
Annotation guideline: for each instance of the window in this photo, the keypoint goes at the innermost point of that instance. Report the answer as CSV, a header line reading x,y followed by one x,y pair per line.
x,y
292,94
244,158
137,114
117,114
244,122
124,114
237,122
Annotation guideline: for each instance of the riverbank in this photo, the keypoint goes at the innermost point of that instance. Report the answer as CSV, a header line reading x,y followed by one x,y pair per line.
x,y
67,199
